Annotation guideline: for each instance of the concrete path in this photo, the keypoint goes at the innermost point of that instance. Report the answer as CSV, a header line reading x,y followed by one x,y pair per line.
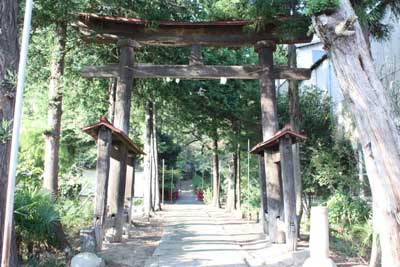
x,y
198,235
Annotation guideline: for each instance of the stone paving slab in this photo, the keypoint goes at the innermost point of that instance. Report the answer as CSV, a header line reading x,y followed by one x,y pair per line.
x,y
198,235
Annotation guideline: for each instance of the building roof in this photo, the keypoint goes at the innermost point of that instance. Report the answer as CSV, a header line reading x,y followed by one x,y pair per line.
x,y
118,136
273,143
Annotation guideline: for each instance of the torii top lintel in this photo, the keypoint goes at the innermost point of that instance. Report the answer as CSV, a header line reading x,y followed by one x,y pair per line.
x,y
106,29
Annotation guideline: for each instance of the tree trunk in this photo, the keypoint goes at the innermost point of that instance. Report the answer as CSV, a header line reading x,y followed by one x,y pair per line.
x,y
294,111
147,159
112,88
157,205
9,57
238,180
215,200
371,108
52,133
230,200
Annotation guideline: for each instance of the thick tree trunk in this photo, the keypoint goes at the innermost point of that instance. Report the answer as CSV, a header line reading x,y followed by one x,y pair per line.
x,y
9,56
230,200
147,159
371,108
215,200
52,133
294,111
157,205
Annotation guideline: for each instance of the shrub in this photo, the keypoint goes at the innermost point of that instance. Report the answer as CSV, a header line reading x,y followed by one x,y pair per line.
x,y
35,217
316,7
346,211
207,196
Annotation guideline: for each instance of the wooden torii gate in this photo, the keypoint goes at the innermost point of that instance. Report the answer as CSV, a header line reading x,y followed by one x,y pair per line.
x,y
131,33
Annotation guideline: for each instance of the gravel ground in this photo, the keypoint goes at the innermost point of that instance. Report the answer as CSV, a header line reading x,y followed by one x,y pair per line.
x,y
133,252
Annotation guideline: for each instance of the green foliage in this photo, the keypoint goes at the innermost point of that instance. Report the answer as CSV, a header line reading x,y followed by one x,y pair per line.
x,y
317,7
5,131
35,216
75,213
207,195
347,211
350,222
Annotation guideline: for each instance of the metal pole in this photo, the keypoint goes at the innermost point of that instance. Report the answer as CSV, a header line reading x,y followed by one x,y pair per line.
x,y
172,185
248,179
163,179
8,221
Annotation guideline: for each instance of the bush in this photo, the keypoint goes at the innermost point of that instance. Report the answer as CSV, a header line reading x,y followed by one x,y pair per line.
x,y
349,218
75,214
316,7
346,211
207,196
35,217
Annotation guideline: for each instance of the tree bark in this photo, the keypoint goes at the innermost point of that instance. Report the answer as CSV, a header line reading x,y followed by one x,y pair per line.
x,y
230,200
9,57
238,180
294,111
370,105
112,88
53,131
157,205
147,195
215,200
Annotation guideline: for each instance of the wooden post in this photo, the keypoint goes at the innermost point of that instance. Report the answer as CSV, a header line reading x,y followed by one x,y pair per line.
x,y
289,194
269,123
121,121
263,191
102,174
121,173
130,187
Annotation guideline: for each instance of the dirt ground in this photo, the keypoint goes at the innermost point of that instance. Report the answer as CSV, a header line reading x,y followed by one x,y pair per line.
x,y
133,252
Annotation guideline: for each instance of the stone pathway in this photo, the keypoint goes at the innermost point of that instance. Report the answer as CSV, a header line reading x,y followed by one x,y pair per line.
x,y
194,238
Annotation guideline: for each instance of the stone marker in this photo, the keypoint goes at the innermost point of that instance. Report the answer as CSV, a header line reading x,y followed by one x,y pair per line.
x,y
319,239
88,240
87,259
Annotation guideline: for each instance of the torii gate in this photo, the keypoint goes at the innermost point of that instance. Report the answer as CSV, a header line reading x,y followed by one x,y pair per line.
x,y
131,33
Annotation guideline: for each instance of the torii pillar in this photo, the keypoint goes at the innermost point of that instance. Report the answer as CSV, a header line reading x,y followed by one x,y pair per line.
x,y
116,191
269,121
